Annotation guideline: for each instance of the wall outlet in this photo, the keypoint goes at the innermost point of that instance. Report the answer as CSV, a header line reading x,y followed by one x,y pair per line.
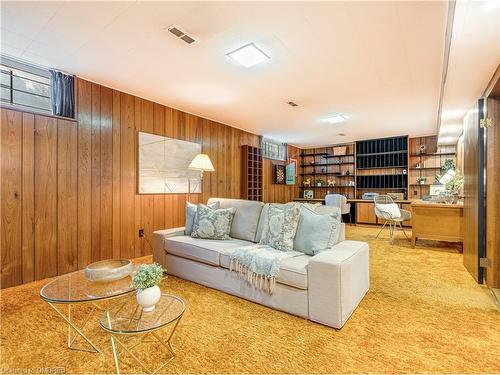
x,y
141,232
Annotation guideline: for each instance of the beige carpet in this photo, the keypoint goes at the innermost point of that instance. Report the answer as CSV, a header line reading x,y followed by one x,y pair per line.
x,y
423,313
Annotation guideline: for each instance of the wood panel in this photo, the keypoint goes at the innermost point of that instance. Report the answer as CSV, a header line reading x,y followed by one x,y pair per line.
x,y
365,213
67,187
11,188
46,252
69,191
492,192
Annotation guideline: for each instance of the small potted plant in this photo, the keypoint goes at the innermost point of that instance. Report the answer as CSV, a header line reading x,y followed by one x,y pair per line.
x,y
146,280
319,182
421,180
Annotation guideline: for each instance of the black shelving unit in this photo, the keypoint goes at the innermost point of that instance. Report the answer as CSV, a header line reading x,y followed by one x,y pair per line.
x,y
382,153
388,181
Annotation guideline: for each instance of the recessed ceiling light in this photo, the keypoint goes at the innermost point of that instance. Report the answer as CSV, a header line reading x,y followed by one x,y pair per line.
x,y
248,55
335,119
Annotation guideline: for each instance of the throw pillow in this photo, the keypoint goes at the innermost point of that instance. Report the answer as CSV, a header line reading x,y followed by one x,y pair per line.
x,y
281,226
213,224
316,232
390,209
191,210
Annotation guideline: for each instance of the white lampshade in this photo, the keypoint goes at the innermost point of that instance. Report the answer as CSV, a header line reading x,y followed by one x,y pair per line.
x,y
447,177
201,162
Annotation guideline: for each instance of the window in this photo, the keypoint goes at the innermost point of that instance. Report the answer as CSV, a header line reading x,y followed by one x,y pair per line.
x,y
24,85
273,150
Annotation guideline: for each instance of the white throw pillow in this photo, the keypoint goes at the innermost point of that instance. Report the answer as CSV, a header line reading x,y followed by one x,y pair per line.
x,y
281,226
316,232
390,208
191,212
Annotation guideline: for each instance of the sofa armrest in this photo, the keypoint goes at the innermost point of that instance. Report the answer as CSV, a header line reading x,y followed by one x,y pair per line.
x,y
159,255
338,280
342,233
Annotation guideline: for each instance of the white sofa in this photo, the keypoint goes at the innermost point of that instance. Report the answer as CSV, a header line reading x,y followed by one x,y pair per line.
x,y
325,288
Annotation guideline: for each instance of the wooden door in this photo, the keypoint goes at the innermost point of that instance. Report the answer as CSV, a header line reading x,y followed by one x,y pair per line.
x,y
492,192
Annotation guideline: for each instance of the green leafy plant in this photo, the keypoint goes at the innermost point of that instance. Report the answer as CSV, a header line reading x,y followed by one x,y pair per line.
x,y
456,183
447,165
147,275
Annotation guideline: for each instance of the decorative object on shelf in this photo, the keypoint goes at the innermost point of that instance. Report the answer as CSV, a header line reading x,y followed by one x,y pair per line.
x,y
319,182
306,182
163,164
330,182
279,174
339,150
348,172
312,162
290,173
404,171
146,279
421,149
323,170
108,270
421,180
296,163
396,196
308,194
350,183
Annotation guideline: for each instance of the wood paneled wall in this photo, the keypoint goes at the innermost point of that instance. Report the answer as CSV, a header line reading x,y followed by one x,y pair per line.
x,y
68,188
279,192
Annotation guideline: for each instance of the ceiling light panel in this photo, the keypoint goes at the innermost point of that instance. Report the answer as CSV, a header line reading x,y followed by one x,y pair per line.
x,y
335,119
249,55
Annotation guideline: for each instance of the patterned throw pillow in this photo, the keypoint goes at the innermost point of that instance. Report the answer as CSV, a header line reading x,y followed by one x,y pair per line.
x,y
316,232
282,221
191,213
213,224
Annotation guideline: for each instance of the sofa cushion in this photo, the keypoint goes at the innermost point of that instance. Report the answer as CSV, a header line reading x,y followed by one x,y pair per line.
x,y
281,226
213,224
191,210
201,250
246,217
293,271
316,232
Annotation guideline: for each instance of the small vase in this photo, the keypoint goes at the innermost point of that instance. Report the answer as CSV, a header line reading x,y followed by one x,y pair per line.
x,y
148,297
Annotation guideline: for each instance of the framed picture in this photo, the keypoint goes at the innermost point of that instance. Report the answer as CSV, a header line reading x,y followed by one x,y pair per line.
x,y
294,161
308,194
279,171
290,174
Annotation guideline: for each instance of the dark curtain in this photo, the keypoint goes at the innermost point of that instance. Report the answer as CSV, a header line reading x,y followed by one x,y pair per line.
x,y
62,93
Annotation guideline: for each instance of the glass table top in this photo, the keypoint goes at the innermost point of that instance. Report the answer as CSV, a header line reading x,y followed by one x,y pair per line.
x,y
74,288
128,316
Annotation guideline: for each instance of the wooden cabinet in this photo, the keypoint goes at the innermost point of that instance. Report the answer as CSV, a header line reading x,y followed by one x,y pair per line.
x,y
251,168
365,213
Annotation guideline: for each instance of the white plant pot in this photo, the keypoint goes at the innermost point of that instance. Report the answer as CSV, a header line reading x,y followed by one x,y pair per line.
x,y
148,297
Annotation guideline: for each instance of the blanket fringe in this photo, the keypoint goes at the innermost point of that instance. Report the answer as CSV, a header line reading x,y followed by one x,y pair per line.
x,y
262,282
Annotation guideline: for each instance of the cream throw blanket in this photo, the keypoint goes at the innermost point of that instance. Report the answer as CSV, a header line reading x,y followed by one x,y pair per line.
x,y
259,265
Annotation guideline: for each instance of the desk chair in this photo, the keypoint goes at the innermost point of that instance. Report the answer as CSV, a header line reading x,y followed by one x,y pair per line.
x,y
387,210
339,201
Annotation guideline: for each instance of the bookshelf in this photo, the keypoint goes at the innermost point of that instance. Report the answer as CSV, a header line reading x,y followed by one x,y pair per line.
x,y
326,166
251,182
426,163
382,166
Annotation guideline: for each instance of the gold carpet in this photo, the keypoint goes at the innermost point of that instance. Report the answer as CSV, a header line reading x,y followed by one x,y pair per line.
x,y
423,313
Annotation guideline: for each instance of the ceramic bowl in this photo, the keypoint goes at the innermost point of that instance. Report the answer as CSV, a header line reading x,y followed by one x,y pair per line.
x,y
109,270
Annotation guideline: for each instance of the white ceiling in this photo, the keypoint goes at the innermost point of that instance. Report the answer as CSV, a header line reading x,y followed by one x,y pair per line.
x,y
474,57
377,62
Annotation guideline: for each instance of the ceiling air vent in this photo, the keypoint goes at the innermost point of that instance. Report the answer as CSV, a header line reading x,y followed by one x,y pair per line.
x,y
181,34
292,104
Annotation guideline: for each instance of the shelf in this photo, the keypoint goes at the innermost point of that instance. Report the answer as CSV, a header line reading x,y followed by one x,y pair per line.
x,y
397,166
384,153
416,169
326,164
320,174
422,184
379,188
337,156
436,154
328,187
315,154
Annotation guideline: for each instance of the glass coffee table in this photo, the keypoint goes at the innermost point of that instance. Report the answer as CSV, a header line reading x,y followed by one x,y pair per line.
x,y
130,326
74,289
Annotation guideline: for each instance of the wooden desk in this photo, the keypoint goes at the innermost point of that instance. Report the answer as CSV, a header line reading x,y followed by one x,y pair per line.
x,y
437,221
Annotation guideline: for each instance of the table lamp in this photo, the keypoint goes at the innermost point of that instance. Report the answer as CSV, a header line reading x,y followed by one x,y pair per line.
x,y
202,163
